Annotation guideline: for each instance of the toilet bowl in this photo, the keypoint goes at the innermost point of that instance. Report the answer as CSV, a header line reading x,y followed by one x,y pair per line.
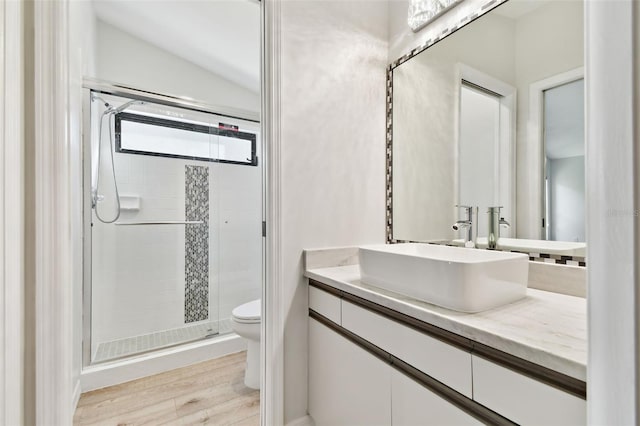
x,y
245,321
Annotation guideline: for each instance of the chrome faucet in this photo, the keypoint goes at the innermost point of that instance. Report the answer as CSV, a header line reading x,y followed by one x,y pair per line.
x,y
469,224
495,222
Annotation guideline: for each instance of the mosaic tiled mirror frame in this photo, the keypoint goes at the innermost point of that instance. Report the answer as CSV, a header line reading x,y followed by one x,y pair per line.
x,y
490,5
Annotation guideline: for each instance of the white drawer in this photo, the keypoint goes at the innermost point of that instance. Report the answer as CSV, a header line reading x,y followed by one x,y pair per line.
x,y
412,404
522,399
347,385
325,304
433,357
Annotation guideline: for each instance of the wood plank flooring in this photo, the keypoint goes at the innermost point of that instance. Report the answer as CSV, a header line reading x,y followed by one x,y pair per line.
x,y
209,393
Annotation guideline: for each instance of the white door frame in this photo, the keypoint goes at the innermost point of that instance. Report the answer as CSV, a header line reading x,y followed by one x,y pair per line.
x,y
612,98
535,133
11,213
52,226
272,347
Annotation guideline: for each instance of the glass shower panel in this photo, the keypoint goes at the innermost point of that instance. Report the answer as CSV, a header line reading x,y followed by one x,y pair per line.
x,y
238,195
154,276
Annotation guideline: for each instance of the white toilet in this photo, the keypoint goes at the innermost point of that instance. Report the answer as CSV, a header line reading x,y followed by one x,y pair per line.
x,y
245,321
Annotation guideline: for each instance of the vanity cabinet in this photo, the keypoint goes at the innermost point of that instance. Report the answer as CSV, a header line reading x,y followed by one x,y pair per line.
x,y
347,385
439,360
369,365
325,304
413,404
524,400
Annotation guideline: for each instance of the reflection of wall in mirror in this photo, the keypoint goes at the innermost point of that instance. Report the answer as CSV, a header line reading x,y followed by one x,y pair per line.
x,y
549,41
425,117
543,42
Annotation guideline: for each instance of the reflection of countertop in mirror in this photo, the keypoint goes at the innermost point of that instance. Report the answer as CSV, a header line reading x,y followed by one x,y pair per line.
x,y
565,248
545,328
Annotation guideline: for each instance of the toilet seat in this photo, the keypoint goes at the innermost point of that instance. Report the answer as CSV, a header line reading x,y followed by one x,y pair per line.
x,y
248,313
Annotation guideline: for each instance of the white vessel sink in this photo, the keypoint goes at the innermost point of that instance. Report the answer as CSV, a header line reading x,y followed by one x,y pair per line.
x,y
462,279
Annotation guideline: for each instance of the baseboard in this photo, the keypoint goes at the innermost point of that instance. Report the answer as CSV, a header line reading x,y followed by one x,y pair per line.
x,y
77,390
113,373
302,421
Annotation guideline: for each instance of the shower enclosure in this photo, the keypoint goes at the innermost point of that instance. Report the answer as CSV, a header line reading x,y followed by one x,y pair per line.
x,y
173,219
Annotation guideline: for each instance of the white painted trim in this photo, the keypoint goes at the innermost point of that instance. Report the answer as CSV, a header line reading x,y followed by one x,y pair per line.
x,y
613,220
113,373
77,391
535,147
272,349
487,81
302,421
12,279
53,253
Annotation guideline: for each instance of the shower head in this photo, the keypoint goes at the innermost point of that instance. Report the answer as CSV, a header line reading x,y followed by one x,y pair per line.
x,y
125,106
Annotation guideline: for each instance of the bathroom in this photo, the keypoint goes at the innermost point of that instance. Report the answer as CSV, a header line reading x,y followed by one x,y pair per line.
x,y
290,114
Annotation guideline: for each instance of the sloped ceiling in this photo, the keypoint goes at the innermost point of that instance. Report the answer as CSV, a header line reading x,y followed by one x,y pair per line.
x,y
222,36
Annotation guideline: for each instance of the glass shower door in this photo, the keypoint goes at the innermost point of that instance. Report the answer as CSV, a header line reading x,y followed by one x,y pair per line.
x,y
238,195
154,275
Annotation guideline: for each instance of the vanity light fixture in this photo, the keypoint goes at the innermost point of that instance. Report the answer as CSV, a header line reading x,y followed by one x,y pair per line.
x,y
421,12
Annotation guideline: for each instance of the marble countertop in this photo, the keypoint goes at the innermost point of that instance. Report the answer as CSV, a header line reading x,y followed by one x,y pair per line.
x,y
548,329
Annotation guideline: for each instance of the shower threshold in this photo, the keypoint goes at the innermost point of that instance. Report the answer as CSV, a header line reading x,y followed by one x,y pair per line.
x,y
136,345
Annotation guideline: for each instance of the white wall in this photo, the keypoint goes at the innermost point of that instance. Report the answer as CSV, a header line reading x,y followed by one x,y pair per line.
x,y
122,58
332,150
567,195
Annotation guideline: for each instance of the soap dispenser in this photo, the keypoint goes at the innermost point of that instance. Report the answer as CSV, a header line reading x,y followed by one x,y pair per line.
x,y
495,221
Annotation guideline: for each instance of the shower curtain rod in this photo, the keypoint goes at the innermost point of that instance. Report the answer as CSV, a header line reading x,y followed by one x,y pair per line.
x,y
110,88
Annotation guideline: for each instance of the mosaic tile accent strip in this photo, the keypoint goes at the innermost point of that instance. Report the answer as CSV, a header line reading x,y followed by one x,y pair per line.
x,y
196,262
129,346
556,258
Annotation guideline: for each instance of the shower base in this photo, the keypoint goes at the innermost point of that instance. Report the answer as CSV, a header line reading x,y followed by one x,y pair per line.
x,y
116,349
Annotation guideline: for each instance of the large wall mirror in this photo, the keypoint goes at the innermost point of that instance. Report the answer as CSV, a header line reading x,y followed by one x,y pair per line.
x,y
493,116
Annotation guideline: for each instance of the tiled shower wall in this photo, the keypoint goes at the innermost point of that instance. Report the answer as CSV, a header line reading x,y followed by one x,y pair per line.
x,y
138,284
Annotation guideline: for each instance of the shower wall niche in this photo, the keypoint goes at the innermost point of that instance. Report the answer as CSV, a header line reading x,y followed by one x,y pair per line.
x,y
187,246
